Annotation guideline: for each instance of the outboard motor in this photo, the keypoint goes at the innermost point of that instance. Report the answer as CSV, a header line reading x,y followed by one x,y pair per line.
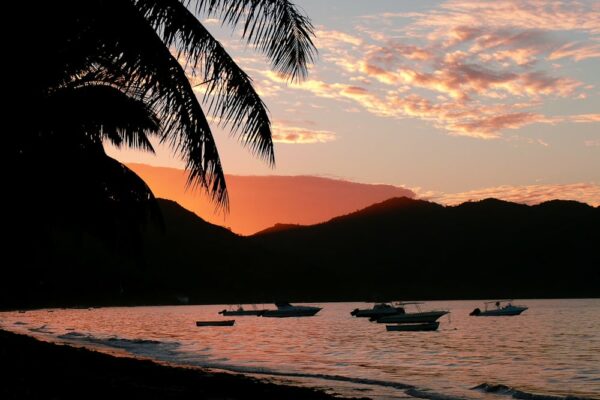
x,y
476,311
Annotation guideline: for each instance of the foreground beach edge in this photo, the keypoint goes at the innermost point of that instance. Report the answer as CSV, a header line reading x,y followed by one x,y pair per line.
x,y
36,369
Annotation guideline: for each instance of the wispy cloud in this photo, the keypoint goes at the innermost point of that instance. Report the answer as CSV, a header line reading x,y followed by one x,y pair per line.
x,y
592,143
326,38
284,133
471,68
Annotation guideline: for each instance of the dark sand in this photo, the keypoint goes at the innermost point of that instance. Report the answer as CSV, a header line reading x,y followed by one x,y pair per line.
x,y
32,369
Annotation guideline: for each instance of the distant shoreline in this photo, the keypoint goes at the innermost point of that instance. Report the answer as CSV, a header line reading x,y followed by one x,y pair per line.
x,y
301,301
35,369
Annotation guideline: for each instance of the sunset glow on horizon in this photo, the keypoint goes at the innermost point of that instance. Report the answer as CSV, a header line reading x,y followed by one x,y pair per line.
x,y
259,202
452,100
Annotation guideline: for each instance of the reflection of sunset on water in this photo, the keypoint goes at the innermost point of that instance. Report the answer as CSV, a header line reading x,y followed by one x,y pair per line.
x,y
538,352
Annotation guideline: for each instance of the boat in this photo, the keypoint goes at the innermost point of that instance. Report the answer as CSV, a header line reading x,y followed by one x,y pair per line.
x,y
428,326
285,310
228,322
402,317
241,312
502,308
377,311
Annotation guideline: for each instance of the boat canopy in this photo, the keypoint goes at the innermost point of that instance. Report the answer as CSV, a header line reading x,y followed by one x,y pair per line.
x,y
498,301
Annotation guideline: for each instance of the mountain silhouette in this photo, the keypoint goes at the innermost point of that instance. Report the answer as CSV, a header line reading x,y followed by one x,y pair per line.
x,y
400,248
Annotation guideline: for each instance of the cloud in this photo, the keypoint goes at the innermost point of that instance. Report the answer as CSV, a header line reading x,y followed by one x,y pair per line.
x,y
330,38
577,51
470,68
592,143
541,14
258,202
585,118
283,133
532,194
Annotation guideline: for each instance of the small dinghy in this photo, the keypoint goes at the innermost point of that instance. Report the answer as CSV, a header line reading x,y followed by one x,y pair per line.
x,y
429,326
228,322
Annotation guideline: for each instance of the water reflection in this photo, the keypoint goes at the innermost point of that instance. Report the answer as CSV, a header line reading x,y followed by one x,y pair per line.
x,y
553,348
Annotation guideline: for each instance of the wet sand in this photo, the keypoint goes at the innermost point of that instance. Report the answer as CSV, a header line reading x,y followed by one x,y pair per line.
x,y
35,370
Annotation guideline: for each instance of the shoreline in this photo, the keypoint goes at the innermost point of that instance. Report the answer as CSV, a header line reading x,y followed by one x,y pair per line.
x,y
36,369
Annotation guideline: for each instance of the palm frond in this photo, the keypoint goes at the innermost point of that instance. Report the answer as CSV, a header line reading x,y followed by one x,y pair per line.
x,y
104,112
229,92
135,57
275,27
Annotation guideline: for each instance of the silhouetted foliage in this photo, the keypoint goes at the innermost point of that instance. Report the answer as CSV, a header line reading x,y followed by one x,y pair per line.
x,y
118,71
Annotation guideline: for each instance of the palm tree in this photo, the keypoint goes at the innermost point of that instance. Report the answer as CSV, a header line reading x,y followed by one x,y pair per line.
x,y
111,73
82,73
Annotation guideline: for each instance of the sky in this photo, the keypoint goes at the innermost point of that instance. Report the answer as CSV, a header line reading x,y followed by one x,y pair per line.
x,y
453,100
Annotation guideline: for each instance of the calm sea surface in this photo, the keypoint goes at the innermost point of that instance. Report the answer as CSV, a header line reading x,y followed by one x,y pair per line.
x,y
553,349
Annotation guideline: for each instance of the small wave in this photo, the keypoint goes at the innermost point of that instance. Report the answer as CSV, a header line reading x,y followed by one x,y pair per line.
x,y
339,378
41,329
520,394
72,335
425,394
134,341
135,346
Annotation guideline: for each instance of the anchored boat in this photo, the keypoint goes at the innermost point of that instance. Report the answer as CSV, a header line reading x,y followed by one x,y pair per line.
x,y
402,317
285,310
240,311
502,308
377,311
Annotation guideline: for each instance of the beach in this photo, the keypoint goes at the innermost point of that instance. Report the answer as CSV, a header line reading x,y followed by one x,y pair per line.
x,y
35,369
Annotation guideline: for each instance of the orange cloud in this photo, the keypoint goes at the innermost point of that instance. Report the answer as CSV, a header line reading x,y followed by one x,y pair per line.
x,y
259,202
538,14
532,194
592,143
585,118
470,68
295,135
576,51
329,38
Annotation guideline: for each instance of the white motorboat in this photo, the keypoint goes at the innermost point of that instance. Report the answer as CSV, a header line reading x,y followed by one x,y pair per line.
x,y
499,308
403,317
377,311
285,310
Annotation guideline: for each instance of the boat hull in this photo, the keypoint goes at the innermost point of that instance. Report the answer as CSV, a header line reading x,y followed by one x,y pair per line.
x,y
430,326
216,323
409,318
290,313
372,313
500,313
242,312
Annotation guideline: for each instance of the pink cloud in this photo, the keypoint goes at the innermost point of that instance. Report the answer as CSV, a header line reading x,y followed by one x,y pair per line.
x,y
470,68
289,134
576,51
328,38
592,143
585,118
489,127
538,14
